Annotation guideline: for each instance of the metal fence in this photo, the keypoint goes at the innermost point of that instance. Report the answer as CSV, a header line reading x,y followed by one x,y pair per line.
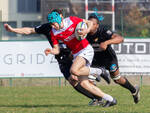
x,y
132,18
0,25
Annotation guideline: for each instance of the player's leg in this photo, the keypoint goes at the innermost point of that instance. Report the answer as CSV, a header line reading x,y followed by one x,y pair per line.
x,y
80,65
79,69
112,65
126,84
81,59
78,87
96,91
65,69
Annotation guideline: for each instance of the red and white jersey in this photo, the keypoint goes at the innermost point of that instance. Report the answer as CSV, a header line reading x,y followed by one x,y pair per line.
x,y
67,35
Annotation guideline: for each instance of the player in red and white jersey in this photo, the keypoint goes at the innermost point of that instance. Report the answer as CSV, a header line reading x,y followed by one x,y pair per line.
x,y
67,35
82,51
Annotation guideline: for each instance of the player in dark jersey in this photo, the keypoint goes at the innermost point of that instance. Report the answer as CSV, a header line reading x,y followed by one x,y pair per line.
x,y
106,56
63,58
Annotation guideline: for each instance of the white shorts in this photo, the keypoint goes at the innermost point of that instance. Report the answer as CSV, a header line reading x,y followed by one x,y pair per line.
x,y
87,53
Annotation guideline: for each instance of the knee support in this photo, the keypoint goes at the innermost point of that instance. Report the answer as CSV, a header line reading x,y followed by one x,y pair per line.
x,y
117,77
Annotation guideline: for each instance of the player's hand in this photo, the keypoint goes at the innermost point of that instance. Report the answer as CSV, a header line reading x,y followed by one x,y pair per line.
x,y
103,46
82,32
8,28
73,78
47,51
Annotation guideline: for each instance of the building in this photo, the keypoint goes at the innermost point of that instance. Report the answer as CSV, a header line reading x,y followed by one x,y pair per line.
x,y
19,13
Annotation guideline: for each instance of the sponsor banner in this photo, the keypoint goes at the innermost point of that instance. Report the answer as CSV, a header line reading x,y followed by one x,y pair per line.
x,y
27,59
134,56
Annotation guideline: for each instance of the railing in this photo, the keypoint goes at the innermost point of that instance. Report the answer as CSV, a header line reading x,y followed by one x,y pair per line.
x,y
0,24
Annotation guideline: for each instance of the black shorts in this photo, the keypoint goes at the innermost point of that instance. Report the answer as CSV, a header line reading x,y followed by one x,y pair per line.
x,y
64,62
65,69
107,59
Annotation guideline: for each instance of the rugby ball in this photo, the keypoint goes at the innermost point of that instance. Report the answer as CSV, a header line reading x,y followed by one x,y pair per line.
x,y
80,25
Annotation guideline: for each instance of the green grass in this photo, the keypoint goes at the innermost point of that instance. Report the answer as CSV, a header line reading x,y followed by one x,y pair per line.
x,y
66,100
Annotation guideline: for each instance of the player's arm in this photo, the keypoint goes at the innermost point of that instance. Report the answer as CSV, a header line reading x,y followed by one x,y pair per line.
x,y
115,39
24,30
55,50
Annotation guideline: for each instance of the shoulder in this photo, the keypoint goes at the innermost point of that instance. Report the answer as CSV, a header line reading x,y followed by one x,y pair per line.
x,y
105,29
46,25
43,28
70,18
75,19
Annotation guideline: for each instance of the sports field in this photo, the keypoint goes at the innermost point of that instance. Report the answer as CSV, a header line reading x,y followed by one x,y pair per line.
x,y
66,100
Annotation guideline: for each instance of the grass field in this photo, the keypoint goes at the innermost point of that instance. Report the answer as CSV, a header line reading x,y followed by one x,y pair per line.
x,y
66,100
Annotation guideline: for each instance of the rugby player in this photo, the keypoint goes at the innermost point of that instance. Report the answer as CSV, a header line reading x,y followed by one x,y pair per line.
x,y
63,58
64,30
106,56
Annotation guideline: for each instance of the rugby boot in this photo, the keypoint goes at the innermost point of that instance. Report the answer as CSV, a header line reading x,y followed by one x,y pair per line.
x,y
109,104
105,75
136,95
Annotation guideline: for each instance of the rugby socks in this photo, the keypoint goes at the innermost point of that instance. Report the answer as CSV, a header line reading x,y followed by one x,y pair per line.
x,y
108,97
85,92
128,86
98,98
95,71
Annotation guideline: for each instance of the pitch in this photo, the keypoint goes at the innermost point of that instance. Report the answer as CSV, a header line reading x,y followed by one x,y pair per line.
x,y
64,99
